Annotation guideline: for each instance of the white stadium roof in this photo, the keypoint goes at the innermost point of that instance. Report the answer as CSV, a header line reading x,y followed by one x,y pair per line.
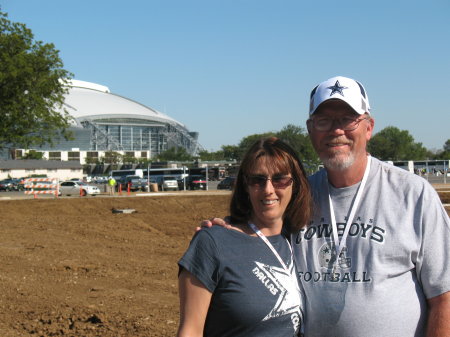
x,y
92,101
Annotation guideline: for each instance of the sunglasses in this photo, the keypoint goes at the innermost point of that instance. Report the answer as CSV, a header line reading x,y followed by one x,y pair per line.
x,y
278,182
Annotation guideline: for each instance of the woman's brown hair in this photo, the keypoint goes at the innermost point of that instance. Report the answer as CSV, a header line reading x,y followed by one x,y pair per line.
x,y
280,158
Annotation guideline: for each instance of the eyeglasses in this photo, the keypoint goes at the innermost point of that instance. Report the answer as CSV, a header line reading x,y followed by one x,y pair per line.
x,y
278,182
325,124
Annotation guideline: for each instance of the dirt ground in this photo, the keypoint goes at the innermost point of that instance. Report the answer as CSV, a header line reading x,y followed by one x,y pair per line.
x,y
72,267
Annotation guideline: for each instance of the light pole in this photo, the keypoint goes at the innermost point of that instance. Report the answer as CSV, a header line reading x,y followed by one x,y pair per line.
x,y
148,176
207,185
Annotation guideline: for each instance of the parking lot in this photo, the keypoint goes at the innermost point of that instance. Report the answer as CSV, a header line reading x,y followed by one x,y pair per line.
x,y
212,188
5,195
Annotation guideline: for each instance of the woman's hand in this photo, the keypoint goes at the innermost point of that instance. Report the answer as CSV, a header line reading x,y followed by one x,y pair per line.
x,y
214,221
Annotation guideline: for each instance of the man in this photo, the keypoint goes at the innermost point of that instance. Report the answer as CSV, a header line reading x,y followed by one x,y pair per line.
x,y
387,227
111,185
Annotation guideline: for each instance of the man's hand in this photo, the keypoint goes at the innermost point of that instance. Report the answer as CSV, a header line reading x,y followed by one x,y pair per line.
x,y
214,221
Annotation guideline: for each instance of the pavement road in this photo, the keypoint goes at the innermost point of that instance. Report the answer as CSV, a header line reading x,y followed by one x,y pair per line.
x,y
212,186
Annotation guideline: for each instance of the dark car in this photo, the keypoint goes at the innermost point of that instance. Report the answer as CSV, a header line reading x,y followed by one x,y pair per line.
x,y
19,184
193,182
136,183
226,184
7,185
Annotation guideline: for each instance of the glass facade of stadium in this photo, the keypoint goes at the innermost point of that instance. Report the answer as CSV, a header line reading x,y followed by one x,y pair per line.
x,y
126,134
129,135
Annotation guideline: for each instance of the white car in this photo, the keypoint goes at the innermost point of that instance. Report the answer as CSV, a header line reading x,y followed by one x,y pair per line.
x,y
168,183
77,188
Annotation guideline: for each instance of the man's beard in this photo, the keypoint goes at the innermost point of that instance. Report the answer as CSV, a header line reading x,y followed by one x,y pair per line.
x,y
338,161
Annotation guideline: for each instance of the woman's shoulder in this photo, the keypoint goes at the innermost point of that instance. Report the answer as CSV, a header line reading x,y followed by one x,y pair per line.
x,y
221,235
215,232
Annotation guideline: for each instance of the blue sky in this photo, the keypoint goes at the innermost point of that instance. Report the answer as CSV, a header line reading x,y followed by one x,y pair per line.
x,y
229,68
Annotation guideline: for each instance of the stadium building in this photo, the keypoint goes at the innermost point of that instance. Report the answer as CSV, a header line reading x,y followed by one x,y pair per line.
x,y
105,122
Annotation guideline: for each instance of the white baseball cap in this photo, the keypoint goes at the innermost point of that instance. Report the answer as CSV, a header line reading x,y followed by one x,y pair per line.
x,y
346,89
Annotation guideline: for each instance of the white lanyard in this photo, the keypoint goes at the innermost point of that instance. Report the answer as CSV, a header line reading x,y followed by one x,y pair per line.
x,y
338,246
267,242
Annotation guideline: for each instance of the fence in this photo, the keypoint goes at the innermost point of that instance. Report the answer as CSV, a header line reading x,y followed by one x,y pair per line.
x,y
435,171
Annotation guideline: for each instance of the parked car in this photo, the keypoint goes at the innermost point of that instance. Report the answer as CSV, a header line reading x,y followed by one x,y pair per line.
x,y
193,182
226,184
18,184
77,188
136,183
13,184
168,183
7,185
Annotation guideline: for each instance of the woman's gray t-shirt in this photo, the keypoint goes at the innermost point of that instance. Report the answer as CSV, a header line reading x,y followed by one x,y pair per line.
x,y
252,293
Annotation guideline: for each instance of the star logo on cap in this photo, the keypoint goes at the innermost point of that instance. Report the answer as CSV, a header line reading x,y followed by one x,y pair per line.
x,y
337,88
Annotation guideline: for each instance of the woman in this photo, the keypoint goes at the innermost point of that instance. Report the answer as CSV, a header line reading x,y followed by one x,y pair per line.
x,y
242,282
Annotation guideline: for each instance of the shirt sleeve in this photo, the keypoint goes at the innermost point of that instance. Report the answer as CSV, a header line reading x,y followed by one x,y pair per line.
x,y
201,259
433,265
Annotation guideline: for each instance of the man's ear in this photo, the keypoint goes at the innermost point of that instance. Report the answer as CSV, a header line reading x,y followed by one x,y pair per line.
x,y
370,127
309,125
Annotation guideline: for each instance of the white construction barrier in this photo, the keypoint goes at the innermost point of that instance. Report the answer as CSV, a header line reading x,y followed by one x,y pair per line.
x,y
51,186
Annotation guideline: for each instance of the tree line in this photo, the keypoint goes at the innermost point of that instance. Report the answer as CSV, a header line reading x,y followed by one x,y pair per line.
x,y
391,143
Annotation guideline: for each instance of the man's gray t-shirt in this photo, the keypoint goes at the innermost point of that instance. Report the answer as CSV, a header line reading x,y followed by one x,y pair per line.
x,y
252,293
396,256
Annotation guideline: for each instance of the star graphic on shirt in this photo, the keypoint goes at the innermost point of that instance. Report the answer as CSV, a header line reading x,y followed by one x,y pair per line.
x,y
337,88
288,301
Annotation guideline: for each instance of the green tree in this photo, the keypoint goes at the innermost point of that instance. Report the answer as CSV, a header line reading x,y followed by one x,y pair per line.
x,y
298,138
392,143
175,154
295,136
129,159
32,87
32,154
91,160
445,153
144,162
230,152
210,156
248,141
112,157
